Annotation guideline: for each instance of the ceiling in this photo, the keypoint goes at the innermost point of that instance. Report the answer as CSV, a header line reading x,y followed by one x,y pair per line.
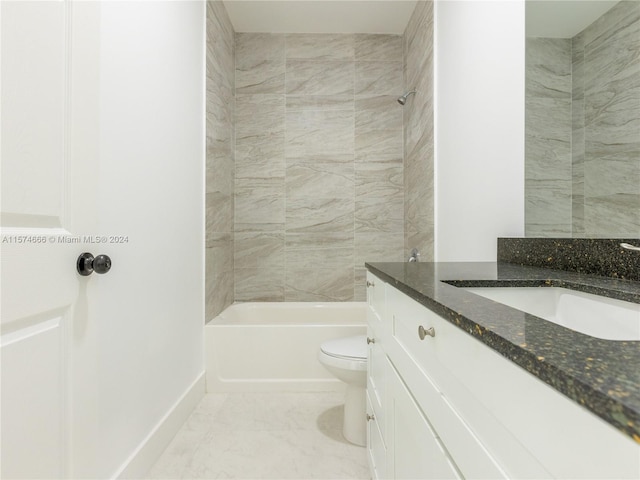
x,y
320,16
563,19
544,18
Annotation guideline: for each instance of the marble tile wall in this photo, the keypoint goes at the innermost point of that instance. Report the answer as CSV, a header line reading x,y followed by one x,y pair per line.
x,y
584,180
319,164
548,172
607,67
219,270
418,133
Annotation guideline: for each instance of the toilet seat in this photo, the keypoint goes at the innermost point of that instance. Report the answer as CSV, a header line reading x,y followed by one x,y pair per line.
x,y
349,353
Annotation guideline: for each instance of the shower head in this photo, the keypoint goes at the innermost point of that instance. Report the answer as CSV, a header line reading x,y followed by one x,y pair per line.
x,y
403,99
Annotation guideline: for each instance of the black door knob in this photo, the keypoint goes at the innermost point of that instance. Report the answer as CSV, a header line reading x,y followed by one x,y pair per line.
x,y
87,264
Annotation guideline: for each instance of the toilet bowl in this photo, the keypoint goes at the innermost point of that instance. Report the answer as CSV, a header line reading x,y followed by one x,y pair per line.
x,y
346,358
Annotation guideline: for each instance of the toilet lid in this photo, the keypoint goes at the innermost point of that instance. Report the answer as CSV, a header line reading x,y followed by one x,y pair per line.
x,y
347,347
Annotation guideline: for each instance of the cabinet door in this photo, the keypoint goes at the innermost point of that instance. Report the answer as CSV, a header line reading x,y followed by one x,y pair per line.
x,y
376,450
415,450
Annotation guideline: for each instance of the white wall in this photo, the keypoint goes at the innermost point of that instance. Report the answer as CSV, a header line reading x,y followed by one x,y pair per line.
x,y
479,133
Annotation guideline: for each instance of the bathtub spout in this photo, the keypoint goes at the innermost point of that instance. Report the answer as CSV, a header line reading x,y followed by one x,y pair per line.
x,y
414,256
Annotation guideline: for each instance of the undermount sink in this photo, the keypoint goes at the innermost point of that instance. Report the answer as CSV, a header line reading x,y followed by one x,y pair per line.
x,y
593,315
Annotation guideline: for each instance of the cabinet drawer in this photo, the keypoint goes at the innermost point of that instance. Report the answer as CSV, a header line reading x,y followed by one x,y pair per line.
x,y
420,361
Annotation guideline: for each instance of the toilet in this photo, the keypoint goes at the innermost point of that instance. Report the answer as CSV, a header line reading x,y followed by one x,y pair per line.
x,y
346,358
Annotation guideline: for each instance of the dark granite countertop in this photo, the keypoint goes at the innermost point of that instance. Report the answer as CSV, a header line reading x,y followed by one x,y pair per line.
x,y
601,375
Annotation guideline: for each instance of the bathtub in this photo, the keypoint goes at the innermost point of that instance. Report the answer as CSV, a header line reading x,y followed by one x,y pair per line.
x,y
273,346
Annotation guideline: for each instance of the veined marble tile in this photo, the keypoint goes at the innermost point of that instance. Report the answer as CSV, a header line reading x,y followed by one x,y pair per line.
x,y
219,212
577,179
252,48
577,75
307,133
421,74
267,78
311,77
612,216
379,247
418,212
384,214
418,43
345,159
259,250
423,241
259,284
319,215
622,19
378,145
577,215
577,115
612,66
260,63
260,157
548,118
314,283
378,78
604,139
258,227
418,170
379,179
321,46
219,250
612,175
548,51
329,250
220,111
218,292
547,158
259,114
259,201
296,103
360,284
547,230
328,180
612,119
419,126
377,112
377,47
219,167
548,202
549,81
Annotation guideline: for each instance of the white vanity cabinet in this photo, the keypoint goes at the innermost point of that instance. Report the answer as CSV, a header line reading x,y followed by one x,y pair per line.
x,y
442,404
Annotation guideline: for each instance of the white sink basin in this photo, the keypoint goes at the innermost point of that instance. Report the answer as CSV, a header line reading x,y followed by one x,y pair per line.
x,y
600,317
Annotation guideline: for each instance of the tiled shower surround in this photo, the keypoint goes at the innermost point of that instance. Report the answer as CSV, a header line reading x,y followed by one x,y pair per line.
x,y
583,130
307,175
220,160
418,133
319,163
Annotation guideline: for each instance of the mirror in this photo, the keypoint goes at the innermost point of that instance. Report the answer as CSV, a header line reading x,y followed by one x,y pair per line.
x,y
582,147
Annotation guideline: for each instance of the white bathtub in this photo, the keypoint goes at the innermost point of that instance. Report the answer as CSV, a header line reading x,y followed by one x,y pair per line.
x,y
273,346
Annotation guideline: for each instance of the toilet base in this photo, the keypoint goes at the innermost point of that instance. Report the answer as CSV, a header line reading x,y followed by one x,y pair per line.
x,y
354,427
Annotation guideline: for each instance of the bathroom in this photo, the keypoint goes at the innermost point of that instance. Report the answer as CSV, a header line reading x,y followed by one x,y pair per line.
x,y
296,164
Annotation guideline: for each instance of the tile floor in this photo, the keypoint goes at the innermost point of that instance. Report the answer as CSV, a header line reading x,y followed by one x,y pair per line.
x,y
263,436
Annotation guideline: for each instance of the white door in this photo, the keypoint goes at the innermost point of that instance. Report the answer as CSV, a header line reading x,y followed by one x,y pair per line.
x,y
46,130
102,144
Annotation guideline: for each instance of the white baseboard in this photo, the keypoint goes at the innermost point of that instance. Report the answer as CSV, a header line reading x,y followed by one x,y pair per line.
x,y
141,461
